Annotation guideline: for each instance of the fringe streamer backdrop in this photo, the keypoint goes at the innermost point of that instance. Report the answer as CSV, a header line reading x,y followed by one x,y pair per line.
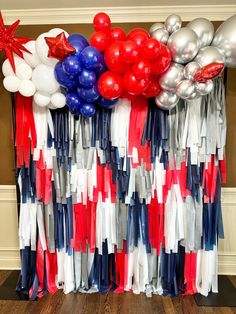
x,y
129,199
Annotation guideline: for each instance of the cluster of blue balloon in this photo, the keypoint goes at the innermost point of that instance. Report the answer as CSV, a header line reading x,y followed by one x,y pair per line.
x,y
78,75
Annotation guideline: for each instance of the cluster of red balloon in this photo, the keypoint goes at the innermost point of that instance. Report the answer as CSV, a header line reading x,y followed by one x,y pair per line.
x,y
134,60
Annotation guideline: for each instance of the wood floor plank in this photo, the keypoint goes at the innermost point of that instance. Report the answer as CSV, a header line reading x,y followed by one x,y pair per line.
x,y
233,280
3,275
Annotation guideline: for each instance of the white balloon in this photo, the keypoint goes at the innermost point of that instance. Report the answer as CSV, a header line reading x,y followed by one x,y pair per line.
x,y
58,100
44,79
50,106
32,59
56,31
42,99
24,71
11,83
6,66
42,49
27,88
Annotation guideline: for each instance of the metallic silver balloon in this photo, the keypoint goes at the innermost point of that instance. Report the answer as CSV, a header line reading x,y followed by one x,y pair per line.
x,y
194,95
155,26
204,88
190,69
171,77
183,45
166,100
185,89
204,30
161,35
225,39
173,23
208,55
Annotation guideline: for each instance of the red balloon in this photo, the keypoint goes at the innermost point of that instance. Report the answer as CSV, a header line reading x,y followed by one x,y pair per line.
x,y
138,35
102,22
208,72
138,30
153,87
162,63
151,48
134,86
117,33
113,59
129,51
110,85
100,40
127,95
141,69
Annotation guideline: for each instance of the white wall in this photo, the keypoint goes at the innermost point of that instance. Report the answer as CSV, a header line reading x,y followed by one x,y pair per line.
x,y
9,254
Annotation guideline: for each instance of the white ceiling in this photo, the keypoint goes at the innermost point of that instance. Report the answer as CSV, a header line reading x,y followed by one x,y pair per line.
x,y
46,4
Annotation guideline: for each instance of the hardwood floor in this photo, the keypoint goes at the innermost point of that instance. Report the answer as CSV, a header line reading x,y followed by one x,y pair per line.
x,y
111,303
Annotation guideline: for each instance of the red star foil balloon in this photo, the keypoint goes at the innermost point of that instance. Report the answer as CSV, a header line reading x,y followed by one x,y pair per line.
x,y
10,43
59,46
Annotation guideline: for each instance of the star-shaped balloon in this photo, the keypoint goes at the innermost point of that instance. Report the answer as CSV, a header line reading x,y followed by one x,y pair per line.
x,y
10,43
59,47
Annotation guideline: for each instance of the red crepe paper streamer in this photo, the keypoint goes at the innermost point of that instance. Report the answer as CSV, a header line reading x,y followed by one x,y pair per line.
x,y
25,139
138,115
84,227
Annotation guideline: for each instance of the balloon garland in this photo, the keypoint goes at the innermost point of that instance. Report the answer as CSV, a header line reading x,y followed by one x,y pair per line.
x,y
120,145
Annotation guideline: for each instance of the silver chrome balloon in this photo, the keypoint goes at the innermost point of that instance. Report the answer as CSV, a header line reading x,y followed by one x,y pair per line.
x,y
185,89
194,95
173,23
166,100
155,26
171,77
208,55
190,69
204,30
161,35
225,39
183,45
204,88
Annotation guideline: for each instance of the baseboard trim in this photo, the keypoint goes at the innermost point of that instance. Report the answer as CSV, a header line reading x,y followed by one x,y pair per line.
x,y
9,258
227,263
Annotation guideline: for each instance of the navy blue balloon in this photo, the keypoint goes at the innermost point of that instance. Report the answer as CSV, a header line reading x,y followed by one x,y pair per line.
x,y
79,42
77,37
88,110
107,103
88,94
72,65
64,90
74,102
101,66
90,58
87,78
63,78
